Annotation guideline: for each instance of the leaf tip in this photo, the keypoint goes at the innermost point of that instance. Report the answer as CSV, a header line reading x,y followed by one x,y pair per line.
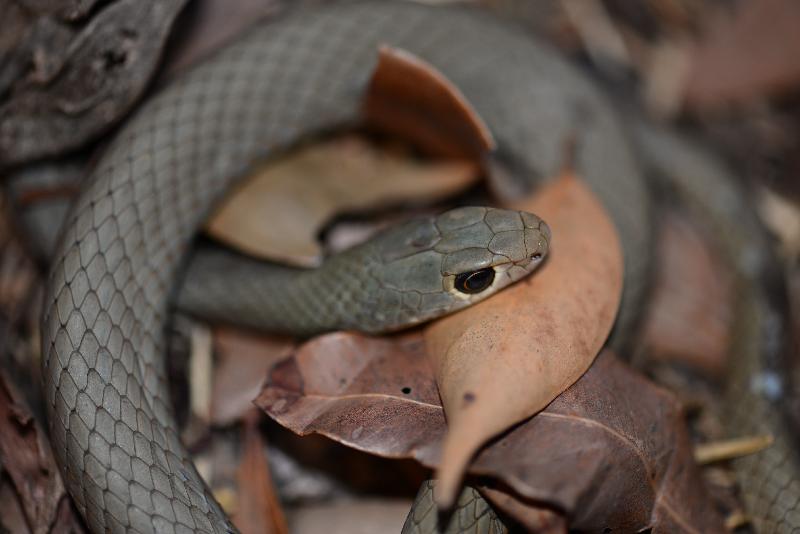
x,y
459,448
446,491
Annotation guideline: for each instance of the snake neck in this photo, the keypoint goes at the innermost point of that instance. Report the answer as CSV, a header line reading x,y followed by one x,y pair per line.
x,y
338,295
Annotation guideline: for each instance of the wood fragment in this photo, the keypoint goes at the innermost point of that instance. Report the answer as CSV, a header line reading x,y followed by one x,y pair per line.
x,y
200,371
737,519
719,451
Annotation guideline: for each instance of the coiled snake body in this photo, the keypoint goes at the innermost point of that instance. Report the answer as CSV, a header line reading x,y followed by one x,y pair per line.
x,y
115,270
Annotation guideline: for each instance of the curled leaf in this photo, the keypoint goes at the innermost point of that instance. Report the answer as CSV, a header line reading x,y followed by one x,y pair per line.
x,y
411,99
506,358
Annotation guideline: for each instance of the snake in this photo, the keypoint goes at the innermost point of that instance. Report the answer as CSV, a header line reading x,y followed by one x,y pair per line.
x,y
117,271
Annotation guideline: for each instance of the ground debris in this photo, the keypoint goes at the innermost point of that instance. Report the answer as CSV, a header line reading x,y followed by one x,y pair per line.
x,y
62,86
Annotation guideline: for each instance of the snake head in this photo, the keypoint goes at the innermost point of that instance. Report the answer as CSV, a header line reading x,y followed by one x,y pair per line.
x,y
433,266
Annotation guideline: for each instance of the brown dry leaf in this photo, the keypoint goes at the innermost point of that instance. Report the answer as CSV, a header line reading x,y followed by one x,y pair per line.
x,y
243,358
506,358
258,509
342,377
278,213
747,56
611,452
533,518
26,458
409,98
690,316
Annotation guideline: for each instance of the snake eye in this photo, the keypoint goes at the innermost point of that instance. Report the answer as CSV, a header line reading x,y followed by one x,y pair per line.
x,y
475,281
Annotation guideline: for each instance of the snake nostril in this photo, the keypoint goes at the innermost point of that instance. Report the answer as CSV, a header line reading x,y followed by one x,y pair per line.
x,y
536,256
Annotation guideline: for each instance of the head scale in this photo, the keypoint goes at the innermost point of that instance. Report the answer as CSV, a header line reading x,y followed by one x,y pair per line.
x,y
433,266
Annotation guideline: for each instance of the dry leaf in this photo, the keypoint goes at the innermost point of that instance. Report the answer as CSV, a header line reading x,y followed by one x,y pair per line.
x,y
690,316
409,98
278,213
748,56
533,518
612,437
339,378
243,358
506,358
364,516
258,509
611,452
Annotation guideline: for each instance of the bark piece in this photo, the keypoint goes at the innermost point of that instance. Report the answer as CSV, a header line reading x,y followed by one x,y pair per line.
x,y
26,458
79,86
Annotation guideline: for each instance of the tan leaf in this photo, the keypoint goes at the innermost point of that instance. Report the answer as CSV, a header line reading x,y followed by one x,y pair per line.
x,y
506,358
279,211
612,451
364,516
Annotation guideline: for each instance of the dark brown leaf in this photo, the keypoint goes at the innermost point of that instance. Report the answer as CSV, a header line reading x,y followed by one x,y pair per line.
x,y
348,386
611,451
